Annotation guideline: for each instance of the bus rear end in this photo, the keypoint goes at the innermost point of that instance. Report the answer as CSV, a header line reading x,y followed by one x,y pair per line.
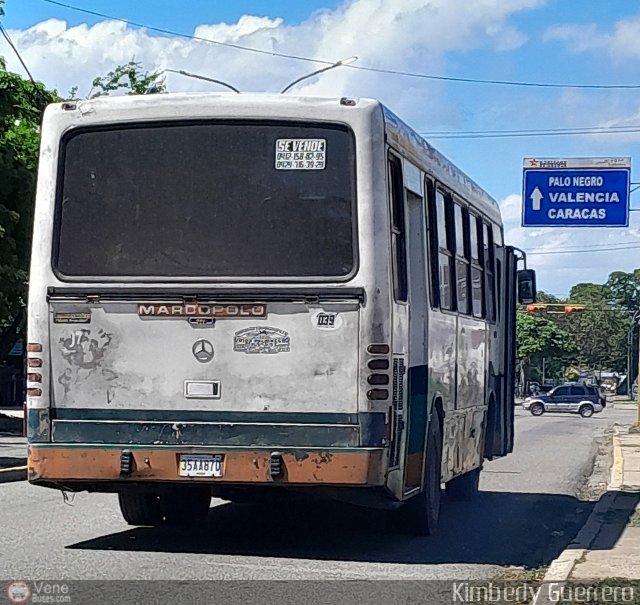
x,y
196,307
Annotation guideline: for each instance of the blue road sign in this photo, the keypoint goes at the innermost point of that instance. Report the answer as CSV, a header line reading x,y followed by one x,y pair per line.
x,y
576,192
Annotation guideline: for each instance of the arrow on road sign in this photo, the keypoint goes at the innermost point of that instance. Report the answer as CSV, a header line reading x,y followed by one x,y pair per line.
x,y
536,196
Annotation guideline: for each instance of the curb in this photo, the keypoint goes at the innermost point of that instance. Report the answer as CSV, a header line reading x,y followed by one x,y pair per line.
x,y
15,473
561,568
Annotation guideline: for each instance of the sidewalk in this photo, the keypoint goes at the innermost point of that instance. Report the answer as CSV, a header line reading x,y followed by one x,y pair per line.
x,y
608,546
13,447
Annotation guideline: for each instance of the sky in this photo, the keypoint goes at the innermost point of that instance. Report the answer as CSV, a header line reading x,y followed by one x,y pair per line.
x,y
566,42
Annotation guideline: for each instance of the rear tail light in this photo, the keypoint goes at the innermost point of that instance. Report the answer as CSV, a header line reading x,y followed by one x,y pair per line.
x,y
378,349
378,364
378,379
34,362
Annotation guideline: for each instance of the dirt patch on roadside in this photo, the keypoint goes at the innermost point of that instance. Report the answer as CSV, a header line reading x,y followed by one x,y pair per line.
x,y
597,481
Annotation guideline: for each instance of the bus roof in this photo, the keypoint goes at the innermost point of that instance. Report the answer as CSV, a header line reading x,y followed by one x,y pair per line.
x,y
434,163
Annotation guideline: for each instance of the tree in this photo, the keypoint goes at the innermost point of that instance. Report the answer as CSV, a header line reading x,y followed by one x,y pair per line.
x,y
21,105
624,290
590,294
130,77
539,338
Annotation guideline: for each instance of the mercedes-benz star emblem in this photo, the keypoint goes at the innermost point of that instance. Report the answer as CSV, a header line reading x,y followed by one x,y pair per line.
x,y
202,350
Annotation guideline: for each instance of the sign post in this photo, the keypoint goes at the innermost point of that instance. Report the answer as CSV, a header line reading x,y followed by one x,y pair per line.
x,y
576,192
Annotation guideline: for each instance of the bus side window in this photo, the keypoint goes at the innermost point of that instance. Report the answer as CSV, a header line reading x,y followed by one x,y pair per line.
x,y
477,277
445,251
490,280
462,260
432,228
497,237
398,232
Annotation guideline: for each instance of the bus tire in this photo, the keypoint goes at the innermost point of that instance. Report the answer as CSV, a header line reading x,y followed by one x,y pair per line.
x,y
419,515
183,505
464,487
140,508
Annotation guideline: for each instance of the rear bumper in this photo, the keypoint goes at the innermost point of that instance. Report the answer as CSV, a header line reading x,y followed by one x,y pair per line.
x,y
91,464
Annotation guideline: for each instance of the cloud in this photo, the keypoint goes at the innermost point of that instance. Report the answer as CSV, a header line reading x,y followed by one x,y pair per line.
x,y
621,43
404,34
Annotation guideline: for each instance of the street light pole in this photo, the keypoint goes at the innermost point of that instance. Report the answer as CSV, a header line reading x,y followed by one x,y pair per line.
x,y
637,426
630,352
205,78
319,71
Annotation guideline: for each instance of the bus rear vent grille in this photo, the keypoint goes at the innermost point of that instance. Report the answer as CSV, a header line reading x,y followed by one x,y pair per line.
x,y
398,406
398,384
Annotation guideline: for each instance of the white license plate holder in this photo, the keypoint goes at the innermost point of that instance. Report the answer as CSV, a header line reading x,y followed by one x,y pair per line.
x,y
201,465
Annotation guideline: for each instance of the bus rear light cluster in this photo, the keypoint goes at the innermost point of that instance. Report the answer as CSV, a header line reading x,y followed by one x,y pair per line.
x,y
378,379
378,364
34,377
378,349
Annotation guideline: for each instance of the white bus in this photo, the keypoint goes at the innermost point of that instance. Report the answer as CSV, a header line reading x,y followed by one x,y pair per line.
x,y
236,294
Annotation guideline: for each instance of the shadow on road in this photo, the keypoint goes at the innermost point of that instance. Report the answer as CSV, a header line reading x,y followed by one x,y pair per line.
x,y
11,461
497,528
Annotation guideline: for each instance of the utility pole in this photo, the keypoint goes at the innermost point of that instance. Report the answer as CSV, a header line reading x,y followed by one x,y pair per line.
x,y
636,428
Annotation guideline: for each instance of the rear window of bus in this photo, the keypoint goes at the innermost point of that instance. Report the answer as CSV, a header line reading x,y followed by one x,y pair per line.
x,y
207,199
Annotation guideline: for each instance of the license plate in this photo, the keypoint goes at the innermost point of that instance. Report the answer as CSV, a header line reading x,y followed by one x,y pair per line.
x,y
201,465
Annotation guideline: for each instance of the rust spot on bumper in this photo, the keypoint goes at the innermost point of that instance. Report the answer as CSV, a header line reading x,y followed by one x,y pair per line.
x,y
366,467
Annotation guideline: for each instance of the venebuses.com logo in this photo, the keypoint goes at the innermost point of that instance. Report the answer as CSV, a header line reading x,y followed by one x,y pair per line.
x,y
18,592
40,591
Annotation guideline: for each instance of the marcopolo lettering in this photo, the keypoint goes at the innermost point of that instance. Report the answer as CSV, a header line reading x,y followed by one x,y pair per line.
x,y
202,310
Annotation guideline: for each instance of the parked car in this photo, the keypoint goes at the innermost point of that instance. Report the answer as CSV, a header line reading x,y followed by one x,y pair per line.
x,y
569,398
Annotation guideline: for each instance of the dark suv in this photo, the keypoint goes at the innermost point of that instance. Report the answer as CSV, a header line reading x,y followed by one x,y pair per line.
x,y
570,397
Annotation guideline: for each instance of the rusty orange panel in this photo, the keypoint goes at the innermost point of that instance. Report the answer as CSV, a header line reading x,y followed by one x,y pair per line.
x,y
364,467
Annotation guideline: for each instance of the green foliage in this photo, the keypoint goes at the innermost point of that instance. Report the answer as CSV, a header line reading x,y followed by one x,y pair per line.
x,y
21,105
540,341
544,297
597,336
129,77
624,290
540,337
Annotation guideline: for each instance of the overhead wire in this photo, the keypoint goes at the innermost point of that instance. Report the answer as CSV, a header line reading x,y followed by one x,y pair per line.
x,y
549,132
6,36
433,134
357,67
582,251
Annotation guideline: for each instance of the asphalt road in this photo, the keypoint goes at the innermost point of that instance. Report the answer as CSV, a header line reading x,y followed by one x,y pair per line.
x,y
526,513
